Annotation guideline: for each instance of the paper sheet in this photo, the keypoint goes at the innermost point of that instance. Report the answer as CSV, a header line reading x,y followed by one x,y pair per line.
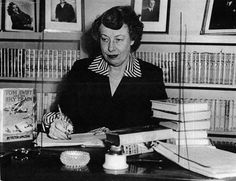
x,y
84,139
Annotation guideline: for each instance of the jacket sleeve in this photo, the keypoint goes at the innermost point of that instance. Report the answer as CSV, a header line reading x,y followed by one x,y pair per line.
x,y
159,91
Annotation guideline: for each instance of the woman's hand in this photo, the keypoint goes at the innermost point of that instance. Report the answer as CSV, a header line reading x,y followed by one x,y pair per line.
x,y
60,129
57,125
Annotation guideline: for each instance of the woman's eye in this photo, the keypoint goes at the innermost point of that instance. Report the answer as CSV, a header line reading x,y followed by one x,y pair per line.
x,y
118,40
104,39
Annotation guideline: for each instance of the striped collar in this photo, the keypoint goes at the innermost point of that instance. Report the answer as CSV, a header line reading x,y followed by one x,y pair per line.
x,y
100,66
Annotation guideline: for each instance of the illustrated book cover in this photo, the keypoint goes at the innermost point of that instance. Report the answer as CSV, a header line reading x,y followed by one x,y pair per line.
x,y
17,114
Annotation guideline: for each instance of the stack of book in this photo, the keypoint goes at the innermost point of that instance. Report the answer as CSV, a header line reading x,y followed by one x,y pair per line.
x,y
188,119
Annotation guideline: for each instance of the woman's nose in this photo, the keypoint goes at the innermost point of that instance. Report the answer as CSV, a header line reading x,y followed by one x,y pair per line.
x,y
111,46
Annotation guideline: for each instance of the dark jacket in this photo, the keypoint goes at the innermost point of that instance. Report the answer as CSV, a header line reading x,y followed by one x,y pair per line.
x,y
148,15
65,14
21,21
85,97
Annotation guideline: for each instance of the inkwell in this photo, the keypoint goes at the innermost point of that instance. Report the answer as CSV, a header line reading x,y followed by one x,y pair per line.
x,y
115,159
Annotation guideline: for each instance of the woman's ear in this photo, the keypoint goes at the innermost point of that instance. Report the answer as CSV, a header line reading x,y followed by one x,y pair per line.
x,y
132,42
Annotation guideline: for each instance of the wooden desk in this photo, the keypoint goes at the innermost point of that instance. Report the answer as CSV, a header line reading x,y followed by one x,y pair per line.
x,y
44,164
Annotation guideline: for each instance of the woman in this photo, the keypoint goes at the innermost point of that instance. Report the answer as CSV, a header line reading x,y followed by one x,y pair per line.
x,y
20,20
113,89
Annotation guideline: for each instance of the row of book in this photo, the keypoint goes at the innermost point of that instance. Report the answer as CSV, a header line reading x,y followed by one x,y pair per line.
x,y
185,67
194,67
36,63
223,116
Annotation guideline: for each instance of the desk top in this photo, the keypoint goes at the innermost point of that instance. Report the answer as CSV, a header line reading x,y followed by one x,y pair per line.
x,y
45,164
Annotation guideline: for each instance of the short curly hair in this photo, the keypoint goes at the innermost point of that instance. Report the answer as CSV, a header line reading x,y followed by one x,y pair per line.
x,y
114,18
10,8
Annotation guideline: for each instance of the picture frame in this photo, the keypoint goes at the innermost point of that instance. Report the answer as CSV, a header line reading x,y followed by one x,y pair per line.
x,y
158,21
95,9
55,21
1,14
218,17
25,20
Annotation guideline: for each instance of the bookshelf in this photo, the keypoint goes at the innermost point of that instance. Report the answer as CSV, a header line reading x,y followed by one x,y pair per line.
x,y
46,40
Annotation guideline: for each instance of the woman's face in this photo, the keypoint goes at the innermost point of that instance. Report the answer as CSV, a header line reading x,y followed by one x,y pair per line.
x,y
15,8
115,44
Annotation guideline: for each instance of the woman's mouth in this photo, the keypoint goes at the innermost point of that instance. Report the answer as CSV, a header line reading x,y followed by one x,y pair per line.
x,y
112,56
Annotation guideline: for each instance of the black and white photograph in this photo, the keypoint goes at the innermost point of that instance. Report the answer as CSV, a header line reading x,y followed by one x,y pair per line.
x,y
118,90
150,10
20,15
220,17
63,15
154,14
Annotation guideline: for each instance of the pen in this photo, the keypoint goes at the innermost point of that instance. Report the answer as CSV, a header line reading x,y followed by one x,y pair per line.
x,y
61,118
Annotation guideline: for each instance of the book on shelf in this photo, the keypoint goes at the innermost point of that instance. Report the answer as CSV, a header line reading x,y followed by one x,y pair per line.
x,y
211,162
190,141
138,135
44,101
186,126
177,105
184,116
17,114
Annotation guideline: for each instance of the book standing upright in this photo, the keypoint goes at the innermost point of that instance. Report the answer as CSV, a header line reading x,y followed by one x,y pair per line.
x,y
17,114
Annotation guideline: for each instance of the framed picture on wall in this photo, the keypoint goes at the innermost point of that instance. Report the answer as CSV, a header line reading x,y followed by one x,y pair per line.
x,y
63,15
154,14
219,17
1,14
19,15
95,8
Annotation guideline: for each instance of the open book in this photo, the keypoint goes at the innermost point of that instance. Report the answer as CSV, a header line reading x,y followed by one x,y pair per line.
x,y
83,139
205,160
